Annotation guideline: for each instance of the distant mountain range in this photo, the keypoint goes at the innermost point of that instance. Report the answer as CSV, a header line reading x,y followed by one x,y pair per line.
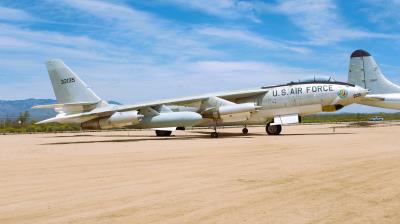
x,y
12,108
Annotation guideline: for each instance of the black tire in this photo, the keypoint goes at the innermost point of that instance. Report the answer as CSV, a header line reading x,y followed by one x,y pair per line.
x,y
273,129
245,131
162,133
214,135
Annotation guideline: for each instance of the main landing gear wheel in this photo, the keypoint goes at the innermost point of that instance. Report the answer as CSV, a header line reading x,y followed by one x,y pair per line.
x,y
214,134
273,129
245,131
163,133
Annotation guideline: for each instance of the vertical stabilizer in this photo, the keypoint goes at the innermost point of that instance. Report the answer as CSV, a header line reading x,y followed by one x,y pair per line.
x,y
365,72
67,86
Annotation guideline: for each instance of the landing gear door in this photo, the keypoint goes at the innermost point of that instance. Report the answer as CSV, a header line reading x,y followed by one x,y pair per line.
x,y
286,119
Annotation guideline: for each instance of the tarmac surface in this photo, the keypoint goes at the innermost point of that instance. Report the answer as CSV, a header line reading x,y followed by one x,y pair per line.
x,y
307,175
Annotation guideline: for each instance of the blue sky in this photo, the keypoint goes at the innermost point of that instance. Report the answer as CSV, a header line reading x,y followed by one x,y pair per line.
x,y
135,51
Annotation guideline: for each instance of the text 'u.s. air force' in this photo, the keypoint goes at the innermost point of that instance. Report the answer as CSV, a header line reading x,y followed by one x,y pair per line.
x,y
303,90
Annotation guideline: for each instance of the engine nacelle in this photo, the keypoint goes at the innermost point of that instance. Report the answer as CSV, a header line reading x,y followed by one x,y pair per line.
x,y
236,108
117,120
172,119
232,110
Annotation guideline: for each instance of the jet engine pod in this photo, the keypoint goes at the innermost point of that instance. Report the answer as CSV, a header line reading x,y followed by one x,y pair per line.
x,y
218,112
117,120
172,119
236,108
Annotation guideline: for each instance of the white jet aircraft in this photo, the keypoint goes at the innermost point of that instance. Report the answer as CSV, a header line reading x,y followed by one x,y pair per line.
x,y
365,72
272,106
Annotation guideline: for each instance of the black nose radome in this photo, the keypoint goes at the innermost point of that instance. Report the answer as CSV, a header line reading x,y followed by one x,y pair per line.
x,y
359,53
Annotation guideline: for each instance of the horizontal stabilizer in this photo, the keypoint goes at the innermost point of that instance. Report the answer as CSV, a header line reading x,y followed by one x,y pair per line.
x,y
74,118
60,105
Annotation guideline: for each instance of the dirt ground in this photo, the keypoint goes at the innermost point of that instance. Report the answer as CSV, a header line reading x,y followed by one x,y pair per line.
x,y
306,175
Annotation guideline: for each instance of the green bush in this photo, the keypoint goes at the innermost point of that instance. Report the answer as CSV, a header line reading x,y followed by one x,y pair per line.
x,y
15,127
348,117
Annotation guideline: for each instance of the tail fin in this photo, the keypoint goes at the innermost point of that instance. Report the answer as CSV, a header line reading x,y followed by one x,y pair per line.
x,y
365,72
67,86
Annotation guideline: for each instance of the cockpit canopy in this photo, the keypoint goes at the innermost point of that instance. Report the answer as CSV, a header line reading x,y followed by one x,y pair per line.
x,y
311,79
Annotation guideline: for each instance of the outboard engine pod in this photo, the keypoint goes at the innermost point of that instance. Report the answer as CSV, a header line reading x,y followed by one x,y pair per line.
x,y
172,119
117,120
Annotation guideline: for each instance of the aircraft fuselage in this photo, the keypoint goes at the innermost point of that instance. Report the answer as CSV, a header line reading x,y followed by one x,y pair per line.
x,y
293,99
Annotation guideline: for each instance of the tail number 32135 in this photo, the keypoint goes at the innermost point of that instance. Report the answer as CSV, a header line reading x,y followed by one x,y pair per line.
x,y
67,80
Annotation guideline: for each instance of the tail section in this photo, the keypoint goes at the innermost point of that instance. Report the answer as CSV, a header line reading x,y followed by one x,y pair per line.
x,y
67,86
72,94
365,72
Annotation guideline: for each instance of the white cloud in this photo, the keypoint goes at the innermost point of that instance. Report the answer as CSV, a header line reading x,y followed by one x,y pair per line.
x,y
188,63
23,42
170,39
150,82
156,35
15,15
229,9
320,21
385,13
244,36
138,80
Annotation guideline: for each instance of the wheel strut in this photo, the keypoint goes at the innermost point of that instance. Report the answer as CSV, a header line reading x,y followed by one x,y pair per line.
x,y
215,133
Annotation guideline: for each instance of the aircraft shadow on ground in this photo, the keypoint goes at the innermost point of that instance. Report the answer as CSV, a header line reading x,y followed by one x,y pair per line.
x,y
305,134
140,138
68,136
133,138
222,134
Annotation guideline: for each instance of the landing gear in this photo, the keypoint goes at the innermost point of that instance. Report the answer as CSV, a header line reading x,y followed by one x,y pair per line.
x,y
162,133
215,133
245,131
273,129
